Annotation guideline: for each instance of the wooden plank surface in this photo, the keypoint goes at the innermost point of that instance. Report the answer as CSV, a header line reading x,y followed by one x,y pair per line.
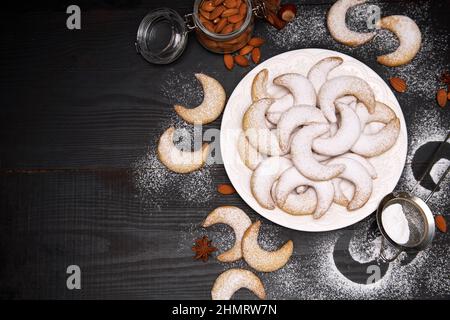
x,y
79,108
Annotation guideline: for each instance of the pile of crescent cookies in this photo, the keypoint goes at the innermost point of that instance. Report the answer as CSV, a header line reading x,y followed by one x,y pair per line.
x,y
303,145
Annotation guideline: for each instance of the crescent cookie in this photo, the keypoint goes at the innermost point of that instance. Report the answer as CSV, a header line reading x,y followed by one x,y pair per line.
x,y
278,107
260,259
303,202
259,85
319,72
300,87
303,158
238,221
249,155
292,178
212,106
256,130
338,28
375,144
180,161
356,174
346,136
232,280
409,36
339,197
343,86
263,178
294,118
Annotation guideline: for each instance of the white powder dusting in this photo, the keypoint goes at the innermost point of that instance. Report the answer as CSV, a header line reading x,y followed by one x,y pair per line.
x,y
362,247
395,223
309,30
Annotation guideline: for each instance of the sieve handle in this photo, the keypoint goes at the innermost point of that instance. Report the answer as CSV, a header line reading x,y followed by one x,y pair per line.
x,y
430,165
437,184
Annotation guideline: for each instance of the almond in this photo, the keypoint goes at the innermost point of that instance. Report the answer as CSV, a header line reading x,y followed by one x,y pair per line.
x,y
209,25
256,42
256,55
226,189
241,61
230,12
230,3
206,14
236,18
228,28
441,97
448,96
216,12
217,2
208,6
398,84
245,50
243,9
221,24
441,224
228,61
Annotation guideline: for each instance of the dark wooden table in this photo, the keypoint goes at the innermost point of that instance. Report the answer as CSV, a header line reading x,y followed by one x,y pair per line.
x,y
79,108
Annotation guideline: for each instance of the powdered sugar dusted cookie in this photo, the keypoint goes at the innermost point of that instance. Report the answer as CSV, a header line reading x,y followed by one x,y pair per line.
x,y
338,28
409,36
342,86
371,145
212,105
263,178
291,179
256,130
364,162
294,118
300,87
249,155
259,85
236,219
177,160
278,107
356,174
346,136
339,196
303,158
260,259
319,72
232,280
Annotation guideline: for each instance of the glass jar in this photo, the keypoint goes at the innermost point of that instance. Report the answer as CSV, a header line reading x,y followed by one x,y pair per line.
x,y
224,43
162,34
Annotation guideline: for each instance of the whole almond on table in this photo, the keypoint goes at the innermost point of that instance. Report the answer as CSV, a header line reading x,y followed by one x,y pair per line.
x,y
256,42
398,84
226,189
441,97
241,61
228,60
441,224
245,50
256,55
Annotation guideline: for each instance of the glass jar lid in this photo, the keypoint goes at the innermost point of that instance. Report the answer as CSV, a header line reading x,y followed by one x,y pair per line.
x,y
162,36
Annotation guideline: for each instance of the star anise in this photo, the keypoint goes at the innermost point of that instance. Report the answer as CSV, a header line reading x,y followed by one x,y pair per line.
x,y
203,248
445,77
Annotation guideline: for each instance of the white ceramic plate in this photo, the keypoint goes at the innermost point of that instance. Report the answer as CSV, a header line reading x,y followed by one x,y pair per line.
x,y
389,165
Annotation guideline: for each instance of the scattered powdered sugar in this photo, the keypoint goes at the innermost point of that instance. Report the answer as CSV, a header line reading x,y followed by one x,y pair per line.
x,y
364,247
181,88
156,184
309,30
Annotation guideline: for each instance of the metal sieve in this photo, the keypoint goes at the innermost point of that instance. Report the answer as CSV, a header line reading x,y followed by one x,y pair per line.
x,y
405,221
